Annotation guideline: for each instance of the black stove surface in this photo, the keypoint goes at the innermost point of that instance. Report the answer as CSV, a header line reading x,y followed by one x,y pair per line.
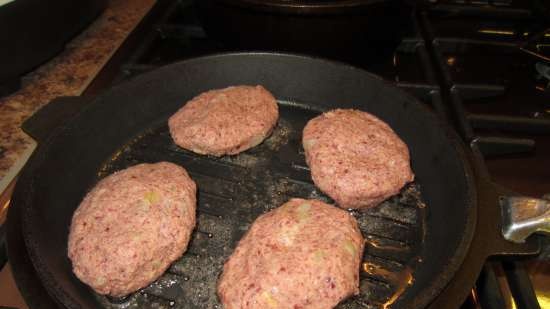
x,y
499,67
478,64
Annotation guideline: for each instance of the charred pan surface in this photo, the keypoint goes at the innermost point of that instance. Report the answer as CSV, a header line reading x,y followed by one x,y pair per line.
x,y
303,254
131,226
234,190
355,158
225,121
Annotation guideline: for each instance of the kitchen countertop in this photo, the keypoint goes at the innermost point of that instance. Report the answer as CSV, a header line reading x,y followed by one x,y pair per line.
x,y
68,74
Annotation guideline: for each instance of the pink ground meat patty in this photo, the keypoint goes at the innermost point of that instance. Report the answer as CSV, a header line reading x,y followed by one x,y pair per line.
x,y
225,121
355,158
131,226
304,254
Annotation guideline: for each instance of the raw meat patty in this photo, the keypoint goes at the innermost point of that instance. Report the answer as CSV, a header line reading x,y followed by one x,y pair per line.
x,y
355,158
225,121
131,226
304,254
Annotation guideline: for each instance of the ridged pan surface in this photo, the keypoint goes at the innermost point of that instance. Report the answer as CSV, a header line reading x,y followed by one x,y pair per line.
x,y
234,190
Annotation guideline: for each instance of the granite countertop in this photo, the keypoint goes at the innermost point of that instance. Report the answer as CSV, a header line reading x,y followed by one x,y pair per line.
x,y
68,74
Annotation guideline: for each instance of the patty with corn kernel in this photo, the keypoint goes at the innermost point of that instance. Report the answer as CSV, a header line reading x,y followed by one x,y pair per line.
x,y
303,254
225,121
131,226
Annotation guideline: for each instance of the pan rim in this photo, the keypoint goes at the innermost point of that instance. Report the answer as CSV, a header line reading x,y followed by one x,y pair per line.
x,y
428,293
315,7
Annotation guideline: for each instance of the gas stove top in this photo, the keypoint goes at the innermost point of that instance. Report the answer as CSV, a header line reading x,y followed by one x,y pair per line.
x,y
482,66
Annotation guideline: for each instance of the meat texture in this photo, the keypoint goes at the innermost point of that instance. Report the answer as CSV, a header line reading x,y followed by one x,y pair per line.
x,y
131,226
355,158
304,254
225,121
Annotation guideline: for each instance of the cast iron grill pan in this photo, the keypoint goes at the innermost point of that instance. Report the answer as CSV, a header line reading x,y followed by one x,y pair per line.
x,y
415,241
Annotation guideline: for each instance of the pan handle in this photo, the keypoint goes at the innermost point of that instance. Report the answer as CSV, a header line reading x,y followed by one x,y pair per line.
x,y
504,243
39,126
53,115
489,239
523,216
